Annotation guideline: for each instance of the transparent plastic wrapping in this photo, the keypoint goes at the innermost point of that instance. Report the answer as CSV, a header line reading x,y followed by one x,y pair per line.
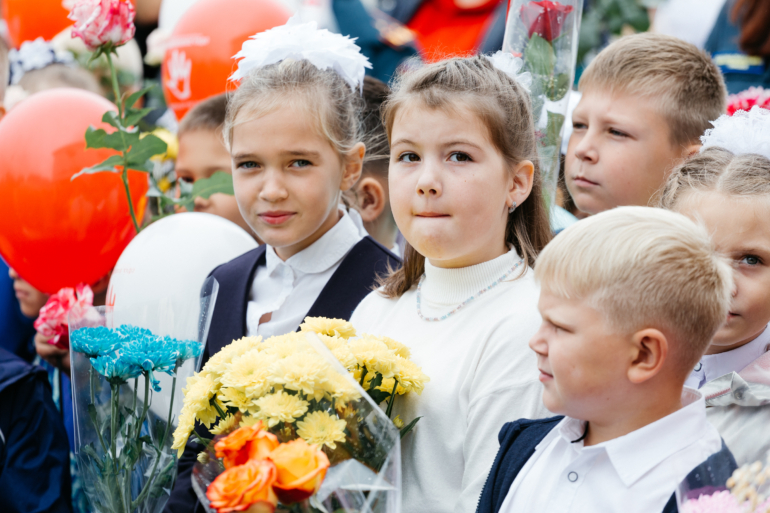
x,y
364,473
545,35
128,367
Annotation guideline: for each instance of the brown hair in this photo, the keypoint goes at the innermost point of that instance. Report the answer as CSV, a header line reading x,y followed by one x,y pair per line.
x,y
207,115
325,94
685,82
504,108
59,75
719,170
754,17
375,94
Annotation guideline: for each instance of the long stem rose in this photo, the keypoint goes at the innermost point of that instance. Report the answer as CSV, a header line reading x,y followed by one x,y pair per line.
x,y
545,18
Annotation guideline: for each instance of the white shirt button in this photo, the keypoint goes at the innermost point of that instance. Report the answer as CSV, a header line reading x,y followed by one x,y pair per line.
x,y
572,476
698,367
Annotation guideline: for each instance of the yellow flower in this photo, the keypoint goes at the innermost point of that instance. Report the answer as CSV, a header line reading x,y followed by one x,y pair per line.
x,y
339,348
385,362
183,430
304,372
397,347
285,345
387,387
224,425
172,144
217,364
249,373
398,422
339,388
199,390
320,428
236,398
366,350
411,376
248,420
281,407
330,327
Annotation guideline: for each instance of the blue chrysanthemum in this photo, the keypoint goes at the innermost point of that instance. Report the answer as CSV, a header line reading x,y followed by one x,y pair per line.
x,y
117,369
187,348
95,342
152,355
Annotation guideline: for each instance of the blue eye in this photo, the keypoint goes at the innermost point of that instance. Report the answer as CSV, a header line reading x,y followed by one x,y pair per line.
x,y
459,156
751,260
408,157
249,164
301,163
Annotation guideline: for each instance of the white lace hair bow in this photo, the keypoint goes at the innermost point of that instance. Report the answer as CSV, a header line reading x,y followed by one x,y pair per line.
x,y
34,55
511,66
298,41
743,132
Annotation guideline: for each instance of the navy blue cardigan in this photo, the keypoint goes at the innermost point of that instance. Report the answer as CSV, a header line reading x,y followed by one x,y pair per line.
x,y
350,283
518,441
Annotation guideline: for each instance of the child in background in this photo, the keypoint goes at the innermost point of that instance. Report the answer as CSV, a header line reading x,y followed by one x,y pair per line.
x,y
646,100
467,198
202,153
293,130
370,194
630,299
730,193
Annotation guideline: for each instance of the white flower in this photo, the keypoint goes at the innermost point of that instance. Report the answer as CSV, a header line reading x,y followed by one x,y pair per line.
x,y
511,66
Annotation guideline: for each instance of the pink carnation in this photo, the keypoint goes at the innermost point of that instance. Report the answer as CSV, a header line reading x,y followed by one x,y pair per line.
x,y
99,22
747,99
52,321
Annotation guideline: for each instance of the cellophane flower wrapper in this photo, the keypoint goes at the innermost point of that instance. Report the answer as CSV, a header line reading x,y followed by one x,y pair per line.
x,y
545,35
364,455
706,490
128,367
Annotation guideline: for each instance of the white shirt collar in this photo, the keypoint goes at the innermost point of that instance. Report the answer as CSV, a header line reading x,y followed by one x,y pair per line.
x,y
634,454
323,253
713,366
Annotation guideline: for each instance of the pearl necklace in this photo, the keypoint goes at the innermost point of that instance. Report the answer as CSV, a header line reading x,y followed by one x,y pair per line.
x,y
464,303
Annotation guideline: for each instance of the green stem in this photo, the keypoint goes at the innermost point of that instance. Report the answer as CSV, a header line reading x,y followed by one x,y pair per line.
x,y
115,399
145,407
92,375
392,398
170,409
119,102
222,414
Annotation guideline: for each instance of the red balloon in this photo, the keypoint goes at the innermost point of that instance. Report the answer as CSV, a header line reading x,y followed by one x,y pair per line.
x,y
199,56
30,20
56,232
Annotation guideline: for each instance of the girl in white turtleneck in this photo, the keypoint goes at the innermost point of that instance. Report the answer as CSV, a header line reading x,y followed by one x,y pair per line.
x,y
467,197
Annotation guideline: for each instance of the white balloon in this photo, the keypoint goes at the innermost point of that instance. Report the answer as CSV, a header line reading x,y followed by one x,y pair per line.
x,y
172,258
171,12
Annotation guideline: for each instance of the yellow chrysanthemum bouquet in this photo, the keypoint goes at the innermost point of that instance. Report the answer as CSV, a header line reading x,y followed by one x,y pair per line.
x,y
324,385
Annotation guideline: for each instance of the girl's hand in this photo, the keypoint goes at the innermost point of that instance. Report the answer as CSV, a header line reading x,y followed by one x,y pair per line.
x,y
59,358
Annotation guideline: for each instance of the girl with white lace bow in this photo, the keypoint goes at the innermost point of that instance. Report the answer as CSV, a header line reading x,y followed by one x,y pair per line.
x,y
292,129
727,187
466,195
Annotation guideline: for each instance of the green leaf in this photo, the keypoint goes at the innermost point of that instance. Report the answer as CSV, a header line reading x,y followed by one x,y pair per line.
x,y
119,140
131,100
406,429
105,166
377,395
220,182
112,118
134,116
539,56
557,87
144,149
553,129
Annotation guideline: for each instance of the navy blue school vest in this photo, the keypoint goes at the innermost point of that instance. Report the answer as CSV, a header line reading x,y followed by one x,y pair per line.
x,y
351,282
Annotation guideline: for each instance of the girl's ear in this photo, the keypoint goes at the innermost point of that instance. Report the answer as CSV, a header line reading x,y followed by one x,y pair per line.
x,y
354,163
522,177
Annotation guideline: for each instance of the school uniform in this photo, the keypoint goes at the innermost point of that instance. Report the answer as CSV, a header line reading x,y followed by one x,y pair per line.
x,y
542,465
327,279
736,385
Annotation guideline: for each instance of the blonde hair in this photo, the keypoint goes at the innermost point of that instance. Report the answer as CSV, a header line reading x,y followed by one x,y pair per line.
x,y
643,267
683,80
504,108
719,170
326,95
59,75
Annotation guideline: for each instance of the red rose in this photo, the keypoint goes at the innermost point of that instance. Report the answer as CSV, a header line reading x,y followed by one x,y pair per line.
x,y
545,18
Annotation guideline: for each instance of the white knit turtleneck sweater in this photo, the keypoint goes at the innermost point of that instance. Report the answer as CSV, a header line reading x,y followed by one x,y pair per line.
x,y
482,375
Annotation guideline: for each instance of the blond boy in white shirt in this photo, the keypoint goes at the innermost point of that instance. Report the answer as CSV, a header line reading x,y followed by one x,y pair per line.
x,y
630,300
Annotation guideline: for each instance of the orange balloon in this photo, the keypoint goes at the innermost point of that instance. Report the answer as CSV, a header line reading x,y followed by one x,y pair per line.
x,y
56,232
199,56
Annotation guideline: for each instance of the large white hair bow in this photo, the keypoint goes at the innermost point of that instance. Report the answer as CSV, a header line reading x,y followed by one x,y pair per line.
x,y
743,132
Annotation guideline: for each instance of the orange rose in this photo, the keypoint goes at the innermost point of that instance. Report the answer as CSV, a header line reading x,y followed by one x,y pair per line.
x,y
245,487
301,469
244,444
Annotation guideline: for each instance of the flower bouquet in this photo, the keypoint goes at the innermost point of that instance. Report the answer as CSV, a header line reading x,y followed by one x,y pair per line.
x,y
317,392
125,366
52,320
746,491
545,34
